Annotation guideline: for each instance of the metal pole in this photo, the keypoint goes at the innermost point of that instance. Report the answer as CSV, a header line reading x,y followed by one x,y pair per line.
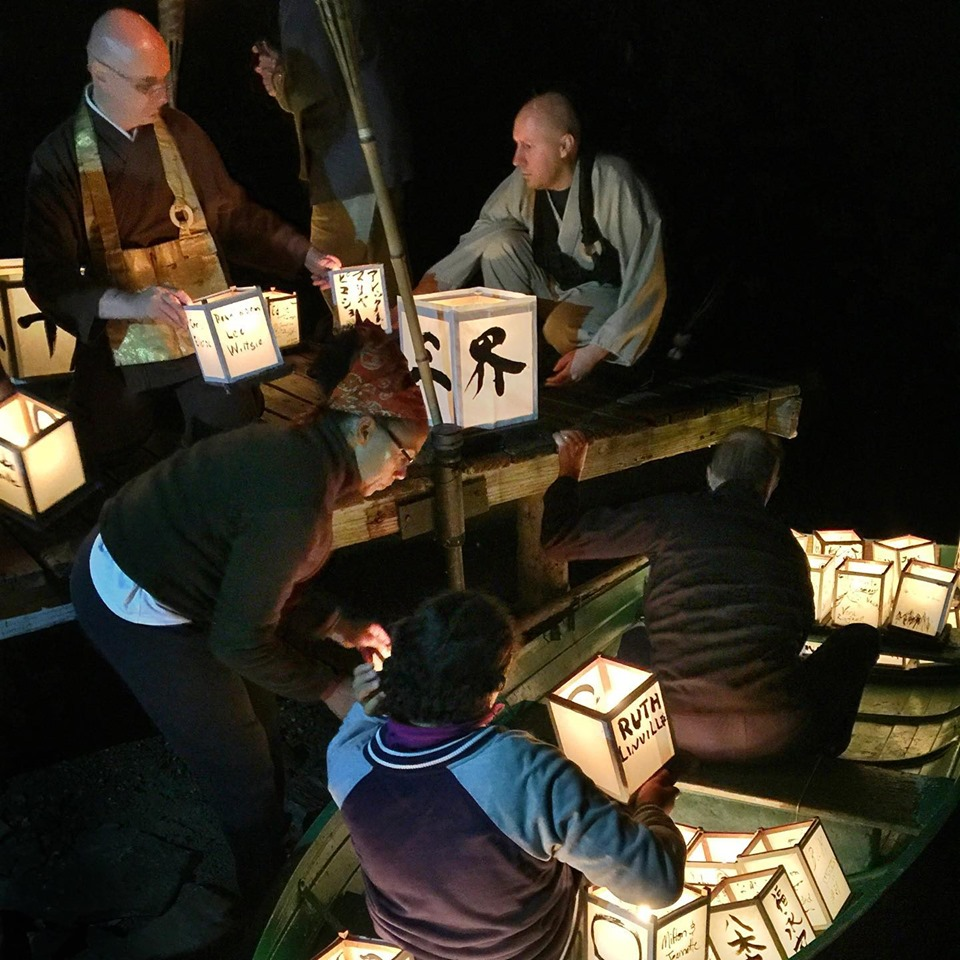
x,y
448,491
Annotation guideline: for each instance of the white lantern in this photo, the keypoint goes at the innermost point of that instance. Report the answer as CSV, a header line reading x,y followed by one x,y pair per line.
x,y
839,543
31,345
713,856
284,317
690,834
924,598
902,549
482,346
864,592
804,851
232,335
40,461
610,721
804,539
360,294
361,948
823,578
617,930
758,915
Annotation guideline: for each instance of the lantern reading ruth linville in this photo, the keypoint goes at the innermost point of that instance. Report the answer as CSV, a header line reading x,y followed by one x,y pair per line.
x,y
804,851
610,721
713,856
360,294
924,598
621,931
823,578
864,592
482,346
902,549
232,335
284,317
361,948
838,543
39,458
31,345
758,915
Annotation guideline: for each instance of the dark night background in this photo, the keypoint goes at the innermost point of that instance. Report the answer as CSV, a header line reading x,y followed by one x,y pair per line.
x,y
805,157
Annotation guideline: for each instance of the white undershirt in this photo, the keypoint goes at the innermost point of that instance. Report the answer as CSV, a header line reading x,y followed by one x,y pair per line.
x,y
123,597
131,135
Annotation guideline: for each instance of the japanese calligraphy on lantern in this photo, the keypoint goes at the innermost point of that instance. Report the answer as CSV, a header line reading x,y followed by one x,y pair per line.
x,y
864,592
360,295
924,597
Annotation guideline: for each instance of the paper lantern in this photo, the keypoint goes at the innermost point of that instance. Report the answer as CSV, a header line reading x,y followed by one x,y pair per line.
x,y
610,720
804,851
823,578
758,915
40,461
362,948
924,598
284,317
359,294
690,834
232,335
804,539
616,930
864,592
31,345
901,549
839,543
713,856
482,346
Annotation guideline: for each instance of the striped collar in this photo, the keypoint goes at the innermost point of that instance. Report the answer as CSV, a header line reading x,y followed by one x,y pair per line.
x,y
379,754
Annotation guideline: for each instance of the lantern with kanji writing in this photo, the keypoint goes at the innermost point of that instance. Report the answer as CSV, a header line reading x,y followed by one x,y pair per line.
x,y
924,598
610,721
713,856
40,461
864,592
804,851
360,295
31,344
616,930
482,347
823,579
902,549
838,543
232,335
284,314
758,915
361,948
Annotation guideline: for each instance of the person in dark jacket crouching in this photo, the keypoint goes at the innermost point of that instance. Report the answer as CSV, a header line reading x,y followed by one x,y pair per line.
x,y
474,839
727,609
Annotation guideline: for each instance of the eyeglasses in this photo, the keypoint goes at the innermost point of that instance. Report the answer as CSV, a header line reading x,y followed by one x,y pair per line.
x,y
143,85
407,459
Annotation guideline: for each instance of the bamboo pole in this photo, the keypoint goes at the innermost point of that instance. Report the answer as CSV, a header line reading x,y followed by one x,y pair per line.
x,y
171,15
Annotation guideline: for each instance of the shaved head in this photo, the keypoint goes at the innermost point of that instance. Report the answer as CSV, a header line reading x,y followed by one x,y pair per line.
x,y
129,64
546,132
555,112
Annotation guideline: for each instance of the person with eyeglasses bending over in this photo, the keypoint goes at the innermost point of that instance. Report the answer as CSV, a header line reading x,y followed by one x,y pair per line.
x,y
130,215
190,586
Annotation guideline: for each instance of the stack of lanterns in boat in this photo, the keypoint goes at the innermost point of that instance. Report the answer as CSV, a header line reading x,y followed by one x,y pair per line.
x,y
897,583
771,891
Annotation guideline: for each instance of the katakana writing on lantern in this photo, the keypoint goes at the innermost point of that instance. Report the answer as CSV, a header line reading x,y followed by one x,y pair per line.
x,y
744,939
359,294
438,375
481,349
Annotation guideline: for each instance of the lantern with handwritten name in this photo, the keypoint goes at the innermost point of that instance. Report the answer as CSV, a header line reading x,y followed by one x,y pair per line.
x,y
232,335
359,295
864,592
823,579
284,314
758,915
482,347
361,948
924,598
713,856
804,851
40,461
902,549
616,930
839,543
610,721
31,345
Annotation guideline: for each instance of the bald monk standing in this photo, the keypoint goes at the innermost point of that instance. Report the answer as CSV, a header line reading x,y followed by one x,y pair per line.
x,y
579,231
131,215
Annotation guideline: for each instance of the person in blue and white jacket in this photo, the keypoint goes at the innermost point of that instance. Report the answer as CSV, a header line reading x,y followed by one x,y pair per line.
x,y
473,839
